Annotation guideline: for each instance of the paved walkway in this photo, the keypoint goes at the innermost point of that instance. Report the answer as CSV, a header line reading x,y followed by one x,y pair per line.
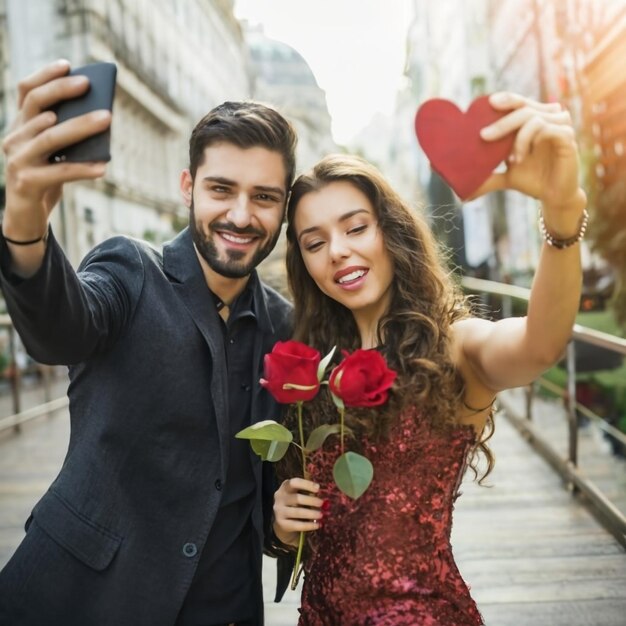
x,y
531,553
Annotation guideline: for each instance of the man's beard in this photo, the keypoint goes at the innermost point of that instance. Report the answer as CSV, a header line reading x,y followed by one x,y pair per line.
x,y
233,266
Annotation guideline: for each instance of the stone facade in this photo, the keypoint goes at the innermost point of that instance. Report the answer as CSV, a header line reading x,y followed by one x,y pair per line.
x,y
176,59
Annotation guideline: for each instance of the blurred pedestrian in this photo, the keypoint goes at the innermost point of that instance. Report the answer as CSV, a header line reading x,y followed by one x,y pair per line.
x,y
156,517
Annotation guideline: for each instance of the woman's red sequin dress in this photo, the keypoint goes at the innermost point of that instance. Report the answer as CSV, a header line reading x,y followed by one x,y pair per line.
x,y
385,559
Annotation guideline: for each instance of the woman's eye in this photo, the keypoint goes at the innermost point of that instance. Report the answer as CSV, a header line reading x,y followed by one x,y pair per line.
x,y
311,247
357,229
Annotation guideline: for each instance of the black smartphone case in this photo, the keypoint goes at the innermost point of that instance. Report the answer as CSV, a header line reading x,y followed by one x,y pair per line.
x,y
99,96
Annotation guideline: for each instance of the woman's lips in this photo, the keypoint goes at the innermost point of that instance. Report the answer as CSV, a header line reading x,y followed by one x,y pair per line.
x,y
351,278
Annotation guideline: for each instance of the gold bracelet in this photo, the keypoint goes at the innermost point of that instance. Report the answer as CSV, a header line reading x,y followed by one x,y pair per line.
x,y
558,243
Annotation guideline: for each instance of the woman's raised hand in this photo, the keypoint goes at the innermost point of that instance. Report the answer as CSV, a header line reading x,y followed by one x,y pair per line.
x,y
544,159
296,509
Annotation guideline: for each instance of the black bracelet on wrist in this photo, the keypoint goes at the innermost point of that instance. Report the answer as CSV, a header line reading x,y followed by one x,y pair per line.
x,y
278,545
30,242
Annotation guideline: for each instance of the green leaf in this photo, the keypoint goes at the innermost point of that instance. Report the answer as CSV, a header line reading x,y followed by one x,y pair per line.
x,y
321,368
270,450
353,474
318,436
338,401
267,430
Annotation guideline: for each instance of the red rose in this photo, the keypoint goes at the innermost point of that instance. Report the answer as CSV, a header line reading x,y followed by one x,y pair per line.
x,y
290,372
362,379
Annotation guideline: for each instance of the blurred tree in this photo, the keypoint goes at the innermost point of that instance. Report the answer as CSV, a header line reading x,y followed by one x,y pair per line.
x,y
592,84
604,152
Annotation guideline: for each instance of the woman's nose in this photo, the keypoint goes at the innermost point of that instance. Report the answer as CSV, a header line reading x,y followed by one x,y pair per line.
x,y
338,249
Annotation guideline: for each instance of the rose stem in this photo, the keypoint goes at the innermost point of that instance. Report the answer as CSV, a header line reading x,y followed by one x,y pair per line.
x,y
341,426
294,580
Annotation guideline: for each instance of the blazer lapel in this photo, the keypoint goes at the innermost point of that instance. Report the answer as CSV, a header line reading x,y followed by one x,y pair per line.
x,y
257,362
263,344
181,264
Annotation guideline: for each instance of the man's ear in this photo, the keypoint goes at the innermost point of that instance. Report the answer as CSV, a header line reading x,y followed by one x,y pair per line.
x,y
186,187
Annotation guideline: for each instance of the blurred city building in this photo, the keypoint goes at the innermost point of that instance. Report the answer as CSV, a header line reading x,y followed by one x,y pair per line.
x,y
519,46
283,78
175,59
447,57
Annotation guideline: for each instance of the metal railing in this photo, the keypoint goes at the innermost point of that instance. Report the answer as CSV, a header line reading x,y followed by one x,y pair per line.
x,y
566,466
19,415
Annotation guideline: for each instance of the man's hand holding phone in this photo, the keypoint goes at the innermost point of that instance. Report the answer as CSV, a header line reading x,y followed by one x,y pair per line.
x,y
34,183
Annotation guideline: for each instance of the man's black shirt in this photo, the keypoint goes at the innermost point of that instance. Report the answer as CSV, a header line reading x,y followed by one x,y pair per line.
x,y
223,588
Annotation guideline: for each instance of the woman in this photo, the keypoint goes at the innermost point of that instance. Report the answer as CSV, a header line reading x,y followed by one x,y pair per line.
x,y
365,274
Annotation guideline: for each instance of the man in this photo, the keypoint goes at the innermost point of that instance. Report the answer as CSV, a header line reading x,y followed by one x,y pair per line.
x,y
156,517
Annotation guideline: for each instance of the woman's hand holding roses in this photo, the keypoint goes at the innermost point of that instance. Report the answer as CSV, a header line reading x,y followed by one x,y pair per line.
x,y
296,509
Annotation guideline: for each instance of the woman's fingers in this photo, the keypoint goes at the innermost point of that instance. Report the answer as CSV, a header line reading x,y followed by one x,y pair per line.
x,y
294,526
296,492
525,137
506,100
291,519
495,182
544,158
300,499
297,513
295,509
300,484
537,129
516,119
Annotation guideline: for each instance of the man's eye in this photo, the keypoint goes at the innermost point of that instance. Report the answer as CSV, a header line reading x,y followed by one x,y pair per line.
x,y
263,197
220,189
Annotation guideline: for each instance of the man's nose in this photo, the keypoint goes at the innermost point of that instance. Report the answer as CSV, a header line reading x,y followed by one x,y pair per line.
x,y
240,212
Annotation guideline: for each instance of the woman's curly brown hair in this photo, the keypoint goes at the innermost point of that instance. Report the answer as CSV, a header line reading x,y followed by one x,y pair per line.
x,y
415,332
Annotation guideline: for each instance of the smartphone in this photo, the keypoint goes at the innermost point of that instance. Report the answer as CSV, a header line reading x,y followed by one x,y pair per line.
x,y
99,96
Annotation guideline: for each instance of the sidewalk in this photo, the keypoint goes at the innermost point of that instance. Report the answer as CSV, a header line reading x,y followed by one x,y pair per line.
x,y
284,613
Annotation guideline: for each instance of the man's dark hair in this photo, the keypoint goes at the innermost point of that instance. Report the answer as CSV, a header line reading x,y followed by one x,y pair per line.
x,y
247,125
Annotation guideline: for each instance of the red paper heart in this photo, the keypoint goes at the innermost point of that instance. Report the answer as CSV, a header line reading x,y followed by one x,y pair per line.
x,y
452,142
